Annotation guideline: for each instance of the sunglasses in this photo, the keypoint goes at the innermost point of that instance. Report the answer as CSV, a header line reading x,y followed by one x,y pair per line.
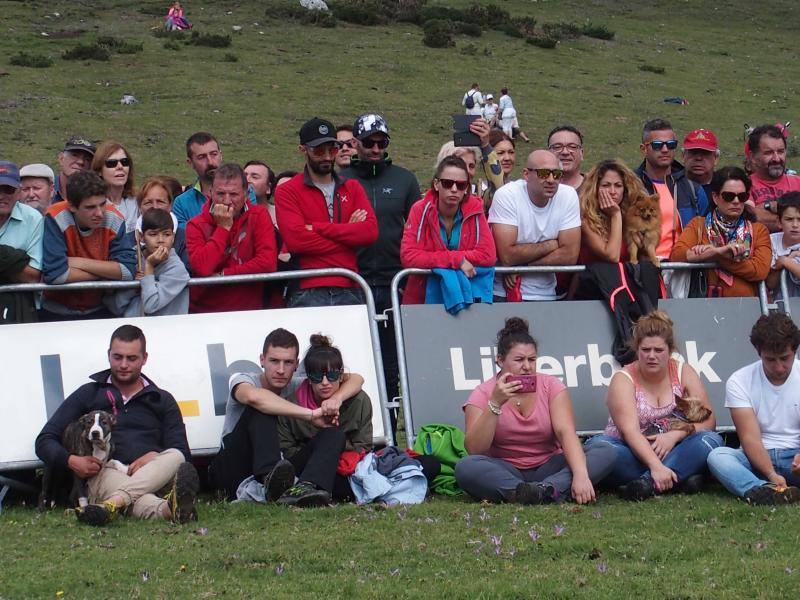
x,y
731,196
323,149
659,144
449,183
113,162
545,173
332,375
382,143
351,143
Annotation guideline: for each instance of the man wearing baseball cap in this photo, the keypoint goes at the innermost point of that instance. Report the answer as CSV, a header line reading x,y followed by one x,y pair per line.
x,y
36,186
392,191
700,155
21,231
76,156
323,220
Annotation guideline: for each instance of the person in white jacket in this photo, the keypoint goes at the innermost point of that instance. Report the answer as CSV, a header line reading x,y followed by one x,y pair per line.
x,y
473,100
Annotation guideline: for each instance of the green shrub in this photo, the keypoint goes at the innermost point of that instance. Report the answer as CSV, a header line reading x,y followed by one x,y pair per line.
x,y
230,57
173,35
511,30
652,69
210,40
405,11
495,17
601,32
172,45
437,12
92,51
470,29
469,49
542,41
525,25
35,61
438,33
561,30
119,46
360,12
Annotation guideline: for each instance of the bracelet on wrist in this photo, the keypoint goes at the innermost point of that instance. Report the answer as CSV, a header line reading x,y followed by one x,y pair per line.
x,y
494,408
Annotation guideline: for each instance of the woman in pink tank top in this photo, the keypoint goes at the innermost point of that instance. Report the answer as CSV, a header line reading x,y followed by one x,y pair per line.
x,y
520,433
651,457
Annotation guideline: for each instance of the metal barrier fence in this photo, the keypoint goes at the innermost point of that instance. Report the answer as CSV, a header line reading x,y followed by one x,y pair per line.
x,y
401,339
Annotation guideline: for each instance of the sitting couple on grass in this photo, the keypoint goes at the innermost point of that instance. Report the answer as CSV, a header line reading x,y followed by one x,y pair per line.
x,y
292,444
523,445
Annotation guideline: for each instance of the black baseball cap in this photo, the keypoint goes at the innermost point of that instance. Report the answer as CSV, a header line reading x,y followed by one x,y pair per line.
x,y
317,131
80,143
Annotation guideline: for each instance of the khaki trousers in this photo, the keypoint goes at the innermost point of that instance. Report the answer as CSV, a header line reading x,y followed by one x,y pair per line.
x,y
138,490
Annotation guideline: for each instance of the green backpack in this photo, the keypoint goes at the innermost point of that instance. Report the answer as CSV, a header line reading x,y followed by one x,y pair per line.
x,y
446,443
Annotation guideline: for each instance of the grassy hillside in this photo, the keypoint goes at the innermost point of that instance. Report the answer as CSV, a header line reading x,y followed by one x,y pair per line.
x,y
733,63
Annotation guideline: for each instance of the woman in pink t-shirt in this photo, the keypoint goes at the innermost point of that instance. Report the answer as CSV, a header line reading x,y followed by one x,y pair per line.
x,y
652,458
522,444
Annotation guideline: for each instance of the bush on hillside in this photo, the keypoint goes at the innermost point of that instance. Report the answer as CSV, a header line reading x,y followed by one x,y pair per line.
x,y
230,57
210,40
470,29
600,32
405,11
437,12
542,41
173,35
560,31
525,25
35,61
291,10
652,69
360,12
92,51
172,45
438,34
490,16
119,46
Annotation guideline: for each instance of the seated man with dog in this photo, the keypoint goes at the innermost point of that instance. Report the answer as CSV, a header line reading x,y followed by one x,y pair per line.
x,y
762,398
151,475
249,464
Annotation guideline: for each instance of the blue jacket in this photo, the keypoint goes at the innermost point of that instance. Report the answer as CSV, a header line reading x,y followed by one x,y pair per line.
x,y
689,196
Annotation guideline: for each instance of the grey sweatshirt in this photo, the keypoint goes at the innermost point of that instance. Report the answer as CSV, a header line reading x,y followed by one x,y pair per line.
x,y
164,293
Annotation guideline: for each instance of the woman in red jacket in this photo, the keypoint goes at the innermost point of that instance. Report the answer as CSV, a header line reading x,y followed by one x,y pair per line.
x,y
446,230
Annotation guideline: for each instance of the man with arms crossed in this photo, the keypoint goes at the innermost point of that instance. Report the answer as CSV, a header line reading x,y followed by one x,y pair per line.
x,y
763,400
149,437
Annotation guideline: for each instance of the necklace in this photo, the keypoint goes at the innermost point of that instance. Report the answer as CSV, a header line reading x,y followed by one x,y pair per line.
x,y
519,402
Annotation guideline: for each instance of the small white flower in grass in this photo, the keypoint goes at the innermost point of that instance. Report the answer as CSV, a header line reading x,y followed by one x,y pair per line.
x,y
534,535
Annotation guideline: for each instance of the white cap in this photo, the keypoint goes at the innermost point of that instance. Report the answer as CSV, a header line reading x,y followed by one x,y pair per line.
x,y
37,170
489,97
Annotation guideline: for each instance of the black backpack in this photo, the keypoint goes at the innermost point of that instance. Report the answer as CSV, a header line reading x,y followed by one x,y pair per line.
x,y
470,101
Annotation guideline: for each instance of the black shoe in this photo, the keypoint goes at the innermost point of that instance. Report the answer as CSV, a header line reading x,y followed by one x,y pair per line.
x,y
97,514
278,480
534,493
182,497
769,494
638,489
305,495
692,484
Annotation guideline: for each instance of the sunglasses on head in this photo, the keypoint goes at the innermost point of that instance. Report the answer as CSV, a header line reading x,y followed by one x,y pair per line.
x,y
332,375
327,148
659,144
545,173
382,143
448,184
113,162
731,196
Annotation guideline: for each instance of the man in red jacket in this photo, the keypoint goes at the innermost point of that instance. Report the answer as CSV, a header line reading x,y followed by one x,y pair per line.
x,y
324,220
230,237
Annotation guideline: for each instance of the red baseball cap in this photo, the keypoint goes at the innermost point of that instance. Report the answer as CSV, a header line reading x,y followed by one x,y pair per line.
x,y
700,139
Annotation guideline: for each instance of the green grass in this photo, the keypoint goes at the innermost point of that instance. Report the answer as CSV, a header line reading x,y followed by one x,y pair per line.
x,y
735,63
672,547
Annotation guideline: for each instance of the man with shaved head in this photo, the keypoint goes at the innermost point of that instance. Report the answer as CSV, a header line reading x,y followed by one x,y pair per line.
x,y
535,221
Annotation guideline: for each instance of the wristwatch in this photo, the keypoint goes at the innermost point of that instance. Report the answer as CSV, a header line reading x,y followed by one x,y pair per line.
x,y
768,206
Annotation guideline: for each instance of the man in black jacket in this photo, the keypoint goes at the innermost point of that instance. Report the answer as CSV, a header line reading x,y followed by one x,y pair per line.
x,y
149,437
392,190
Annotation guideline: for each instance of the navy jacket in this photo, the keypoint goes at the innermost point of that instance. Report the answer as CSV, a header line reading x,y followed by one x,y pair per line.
x,y
150,421
689,196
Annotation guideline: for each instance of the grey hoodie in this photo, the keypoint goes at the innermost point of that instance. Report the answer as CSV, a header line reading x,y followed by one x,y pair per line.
x,y
164,293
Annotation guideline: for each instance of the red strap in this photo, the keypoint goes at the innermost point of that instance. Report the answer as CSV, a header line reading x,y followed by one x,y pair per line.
x,y
624,286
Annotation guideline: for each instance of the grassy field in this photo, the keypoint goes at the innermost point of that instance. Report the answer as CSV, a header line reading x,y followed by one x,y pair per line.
x,y
674,547
734,62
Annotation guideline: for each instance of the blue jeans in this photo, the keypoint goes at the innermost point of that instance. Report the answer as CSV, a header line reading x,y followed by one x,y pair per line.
x,y
325,296
687,458
731,467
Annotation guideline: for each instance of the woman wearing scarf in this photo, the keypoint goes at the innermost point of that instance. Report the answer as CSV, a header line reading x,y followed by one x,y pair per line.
x,y
727,236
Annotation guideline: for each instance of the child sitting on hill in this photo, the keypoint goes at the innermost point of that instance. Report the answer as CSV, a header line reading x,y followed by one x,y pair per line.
x,y
786,247
162,275
175,19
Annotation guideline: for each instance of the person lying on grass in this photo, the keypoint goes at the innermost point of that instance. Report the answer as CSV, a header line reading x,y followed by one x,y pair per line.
x,y
520,433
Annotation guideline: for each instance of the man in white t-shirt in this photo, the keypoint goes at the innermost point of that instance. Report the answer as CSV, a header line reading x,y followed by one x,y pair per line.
x,y
473,100
765,406
535,222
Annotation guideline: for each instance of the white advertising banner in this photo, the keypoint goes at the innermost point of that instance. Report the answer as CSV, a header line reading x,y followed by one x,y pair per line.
x,y
191,356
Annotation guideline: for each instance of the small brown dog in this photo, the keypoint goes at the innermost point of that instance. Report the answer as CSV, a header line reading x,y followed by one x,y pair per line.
x,y
642,229
688,411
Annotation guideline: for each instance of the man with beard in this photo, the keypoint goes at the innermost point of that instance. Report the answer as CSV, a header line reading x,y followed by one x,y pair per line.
x,y
324,220
769,180
76,156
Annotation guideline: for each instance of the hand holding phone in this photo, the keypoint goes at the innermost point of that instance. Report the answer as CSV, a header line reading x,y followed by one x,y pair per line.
x,y
462,136
528,383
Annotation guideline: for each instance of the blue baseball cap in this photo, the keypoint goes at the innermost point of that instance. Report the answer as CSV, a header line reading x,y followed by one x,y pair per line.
x,y
9,174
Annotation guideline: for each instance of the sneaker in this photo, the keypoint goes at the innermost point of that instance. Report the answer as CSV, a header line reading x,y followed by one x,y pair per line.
x,y
534,493
770,494
182,496
279,479
304,495
692,484
638,489
97,514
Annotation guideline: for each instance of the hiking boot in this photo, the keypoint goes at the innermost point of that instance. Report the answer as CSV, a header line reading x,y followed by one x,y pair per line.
x,y
182,496
534,493
769,494
305,495
638,489
278,480
97,514
692,484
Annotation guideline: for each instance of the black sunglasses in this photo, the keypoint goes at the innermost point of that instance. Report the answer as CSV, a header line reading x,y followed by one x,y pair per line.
x,y
449,183
112,162
382,143
731,196
332,375
659,144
